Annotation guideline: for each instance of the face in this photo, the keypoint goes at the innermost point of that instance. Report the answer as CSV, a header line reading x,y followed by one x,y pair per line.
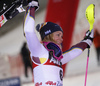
x,y
57,37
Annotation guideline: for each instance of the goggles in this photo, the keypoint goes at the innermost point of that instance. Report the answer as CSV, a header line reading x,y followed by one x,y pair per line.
x,y
57,53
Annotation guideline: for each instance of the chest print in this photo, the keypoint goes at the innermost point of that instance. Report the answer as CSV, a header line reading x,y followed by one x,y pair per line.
x,y
55,61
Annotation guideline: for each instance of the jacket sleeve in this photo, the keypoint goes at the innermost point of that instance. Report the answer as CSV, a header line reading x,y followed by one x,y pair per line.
x,y
34,45
73,52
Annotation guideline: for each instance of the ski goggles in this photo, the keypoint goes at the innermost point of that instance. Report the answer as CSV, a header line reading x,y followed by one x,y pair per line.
x,y
57,53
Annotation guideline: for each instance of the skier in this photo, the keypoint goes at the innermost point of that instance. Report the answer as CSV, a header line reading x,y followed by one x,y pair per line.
x,y
47,56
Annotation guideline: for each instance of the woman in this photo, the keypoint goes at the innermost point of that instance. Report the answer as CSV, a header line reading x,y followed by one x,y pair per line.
x,y
47,57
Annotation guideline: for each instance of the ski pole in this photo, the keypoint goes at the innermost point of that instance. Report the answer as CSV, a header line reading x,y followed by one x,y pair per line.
x,y
90,17
87,66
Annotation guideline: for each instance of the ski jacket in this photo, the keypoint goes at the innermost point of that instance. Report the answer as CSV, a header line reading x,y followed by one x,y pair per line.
x,y
46,70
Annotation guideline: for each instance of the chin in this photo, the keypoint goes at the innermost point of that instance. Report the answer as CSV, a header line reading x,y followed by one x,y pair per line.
x,y
60,46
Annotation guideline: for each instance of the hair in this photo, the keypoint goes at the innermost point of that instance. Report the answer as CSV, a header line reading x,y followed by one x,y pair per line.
x,y
48,38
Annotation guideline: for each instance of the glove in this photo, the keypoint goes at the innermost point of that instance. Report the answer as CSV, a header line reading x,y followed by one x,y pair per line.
x,y
88,38
33,3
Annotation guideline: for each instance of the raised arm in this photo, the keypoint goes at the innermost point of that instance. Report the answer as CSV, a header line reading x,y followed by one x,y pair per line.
x,y
34,45
77,49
